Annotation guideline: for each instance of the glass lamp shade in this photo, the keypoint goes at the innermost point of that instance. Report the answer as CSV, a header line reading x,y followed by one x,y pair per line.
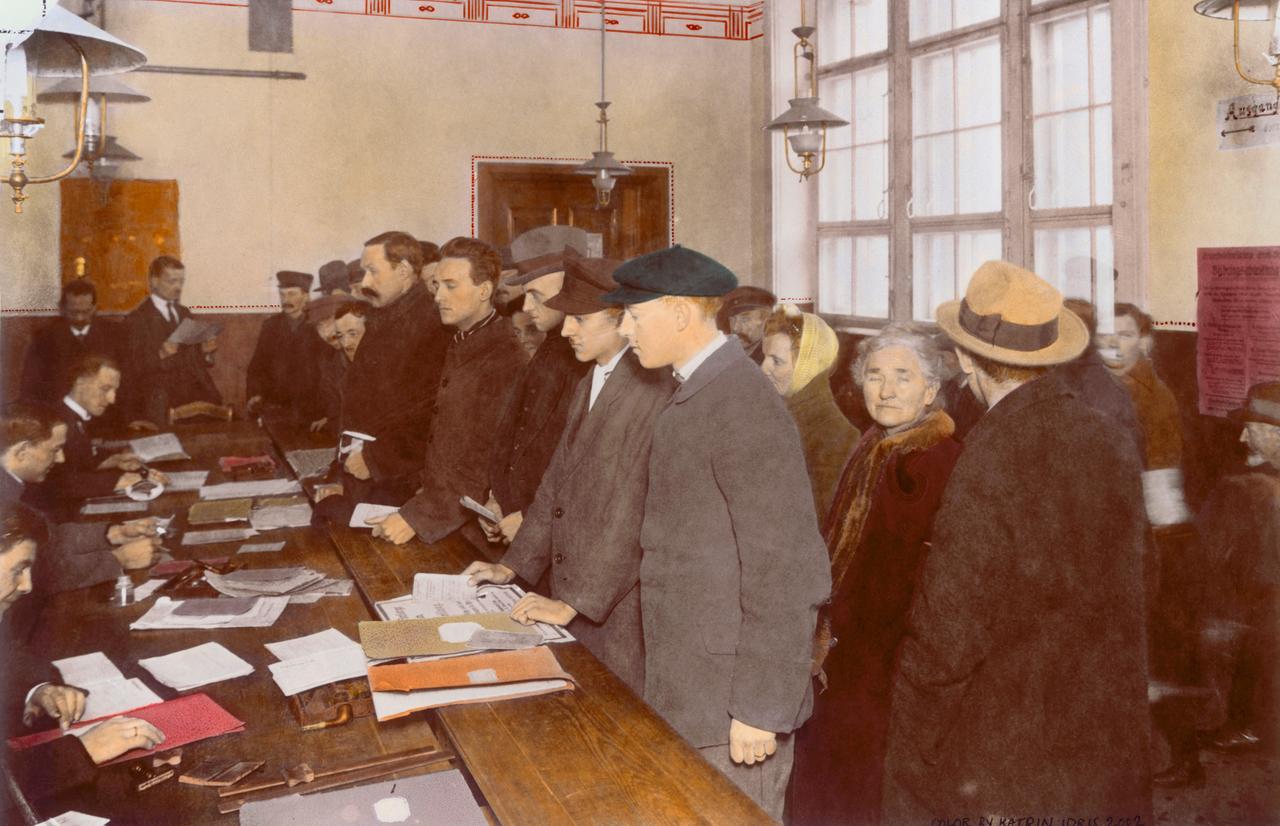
x,y
806,142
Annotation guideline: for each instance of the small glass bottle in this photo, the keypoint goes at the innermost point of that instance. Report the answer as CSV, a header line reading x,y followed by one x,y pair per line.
x,y
124,590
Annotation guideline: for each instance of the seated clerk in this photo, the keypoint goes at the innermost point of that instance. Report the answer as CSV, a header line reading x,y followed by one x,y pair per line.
x,y
87,471
391,385
481,365
280,382
66,762
584,523
162,375
31,444
56,347
539,405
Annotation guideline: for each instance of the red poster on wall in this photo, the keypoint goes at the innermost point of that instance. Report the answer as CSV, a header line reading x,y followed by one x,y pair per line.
x,y
1238,323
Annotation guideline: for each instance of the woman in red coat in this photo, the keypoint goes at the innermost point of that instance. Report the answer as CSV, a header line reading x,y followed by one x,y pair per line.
x,y
877,531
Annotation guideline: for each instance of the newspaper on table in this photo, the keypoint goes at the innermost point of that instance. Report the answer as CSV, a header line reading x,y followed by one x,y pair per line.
x,y
194,331
167,613
162,447
263,487
440,595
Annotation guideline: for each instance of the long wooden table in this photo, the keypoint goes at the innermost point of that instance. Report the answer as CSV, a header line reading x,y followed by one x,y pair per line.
x,y
597,754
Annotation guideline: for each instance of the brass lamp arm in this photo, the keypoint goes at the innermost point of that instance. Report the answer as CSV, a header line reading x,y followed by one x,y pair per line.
x,y
82,111
1235,18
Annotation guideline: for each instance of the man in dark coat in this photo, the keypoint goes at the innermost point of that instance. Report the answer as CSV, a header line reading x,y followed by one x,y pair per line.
x,y
744,313
480,368
734,566
1022,682
391,385
281,379
584,523
57,346
535,415
163,375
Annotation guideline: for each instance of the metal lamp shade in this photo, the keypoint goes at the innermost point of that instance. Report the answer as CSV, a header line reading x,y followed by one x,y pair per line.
x,y
114,90
112,151
1249,9
806,112
50,55
603,162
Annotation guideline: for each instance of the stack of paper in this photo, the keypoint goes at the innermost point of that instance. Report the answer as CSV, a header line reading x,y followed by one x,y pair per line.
x,y
108,690
219,511
211,613
100,507
308,463
214,537
161,448
182,721
260,547
315,660
254,582
435,637
185,480
323,588
440,595
264,487
291,512
194,667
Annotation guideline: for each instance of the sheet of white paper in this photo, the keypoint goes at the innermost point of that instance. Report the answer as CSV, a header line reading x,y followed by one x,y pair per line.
x,y
320,668
477,508
185,480
286,516
123,506
215,536
260,547
146,589
162,446
192,667
194,331
74,818
87,669
325,640
487,600
442,588
388,704
117,696
265,612
365,511
247,490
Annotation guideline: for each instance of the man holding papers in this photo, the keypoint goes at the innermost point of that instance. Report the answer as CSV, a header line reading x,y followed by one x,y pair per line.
x,y
584,522
164,374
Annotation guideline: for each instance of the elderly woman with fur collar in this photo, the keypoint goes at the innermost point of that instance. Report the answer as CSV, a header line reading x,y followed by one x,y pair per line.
x,y
800,350
878,531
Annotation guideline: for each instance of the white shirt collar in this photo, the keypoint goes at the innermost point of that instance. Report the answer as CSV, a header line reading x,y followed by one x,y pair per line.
x,y
684,373
162,305
15,478
76,408
608,366
80,331
600,374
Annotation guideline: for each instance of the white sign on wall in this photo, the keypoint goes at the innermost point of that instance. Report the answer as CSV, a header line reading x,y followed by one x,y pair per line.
x,y
1248,121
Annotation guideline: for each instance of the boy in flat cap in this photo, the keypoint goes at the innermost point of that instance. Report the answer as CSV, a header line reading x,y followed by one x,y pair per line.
x,y
584,523
281,380
734,566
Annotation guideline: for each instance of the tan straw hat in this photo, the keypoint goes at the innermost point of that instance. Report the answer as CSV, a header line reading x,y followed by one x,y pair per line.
x,y
1014,316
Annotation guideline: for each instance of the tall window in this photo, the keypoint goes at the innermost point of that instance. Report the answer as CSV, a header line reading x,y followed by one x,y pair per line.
x,y
979,129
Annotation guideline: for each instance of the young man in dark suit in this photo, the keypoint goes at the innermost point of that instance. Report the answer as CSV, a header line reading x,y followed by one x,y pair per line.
x,y
734,566
163,375
584,523
57,346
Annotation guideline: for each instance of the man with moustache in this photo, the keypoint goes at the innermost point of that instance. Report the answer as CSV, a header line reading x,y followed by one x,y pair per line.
x,y
734,566
584,523
56,347
480,367
163,375
744,313
282,375
539,405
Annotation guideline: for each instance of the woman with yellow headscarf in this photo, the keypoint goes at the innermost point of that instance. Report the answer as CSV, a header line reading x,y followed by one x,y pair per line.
x,y
800,350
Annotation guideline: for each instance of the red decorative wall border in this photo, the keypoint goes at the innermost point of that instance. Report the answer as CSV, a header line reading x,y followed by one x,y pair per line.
x,y
714,21
668,165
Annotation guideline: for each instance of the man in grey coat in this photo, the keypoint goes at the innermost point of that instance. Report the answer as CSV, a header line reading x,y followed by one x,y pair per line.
x,y
1021,686
733,566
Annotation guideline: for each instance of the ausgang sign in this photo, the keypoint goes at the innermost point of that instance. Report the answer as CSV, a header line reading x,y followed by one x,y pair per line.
x,y
1248,120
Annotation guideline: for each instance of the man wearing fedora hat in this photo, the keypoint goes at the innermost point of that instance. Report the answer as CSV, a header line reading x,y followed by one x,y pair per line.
x,y
734,567
1021,686
281,379
584,523
1240,536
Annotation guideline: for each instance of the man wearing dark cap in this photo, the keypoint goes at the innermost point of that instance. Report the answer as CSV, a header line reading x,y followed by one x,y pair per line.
x,y
334,280
734,567
1029,612
584,523
744,312
530,427
281,378
481,365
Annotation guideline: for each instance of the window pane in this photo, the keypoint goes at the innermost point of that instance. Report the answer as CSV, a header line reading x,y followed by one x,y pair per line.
x,y
869,198
1060,63
870,111
933,269
870,26
929,17
980,169
835,36
1104,290
835,271
1062,160
973,249
1100,38
872,276
835,187
932,94
969,12
978,100
1064,258
933,175
1102,155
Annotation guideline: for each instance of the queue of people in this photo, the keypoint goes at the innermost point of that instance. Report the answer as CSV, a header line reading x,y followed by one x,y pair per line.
x,y
964,609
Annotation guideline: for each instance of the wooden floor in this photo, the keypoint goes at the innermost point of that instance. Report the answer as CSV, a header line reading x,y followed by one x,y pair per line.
x,y
594,755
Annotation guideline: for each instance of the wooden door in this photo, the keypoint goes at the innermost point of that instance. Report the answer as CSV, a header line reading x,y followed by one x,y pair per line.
x,y
118,228
514,197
